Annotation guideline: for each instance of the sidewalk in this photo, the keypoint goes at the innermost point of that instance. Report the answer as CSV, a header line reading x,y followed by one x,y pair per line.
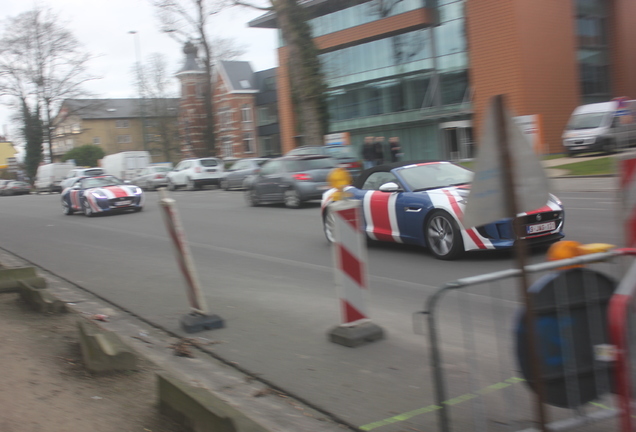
x,y
45,386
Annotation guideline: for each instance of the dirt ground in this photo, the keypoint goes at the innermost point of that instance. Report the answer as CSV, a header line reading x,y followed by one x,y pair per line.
x,y
45,387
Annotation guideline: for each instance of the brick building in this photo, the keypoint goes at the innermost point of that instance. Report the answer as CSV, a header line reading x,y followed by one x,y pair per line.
x,y
424,70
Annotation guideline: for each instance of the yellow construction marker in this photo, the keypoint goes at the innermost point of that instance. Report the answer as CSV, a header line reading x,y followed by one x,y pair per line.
x,y
339,178
570,249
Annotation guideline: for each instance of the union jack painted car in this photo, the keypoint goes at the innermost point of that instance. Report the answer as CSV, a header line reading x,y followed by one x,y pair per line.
x,y
101,194
422,203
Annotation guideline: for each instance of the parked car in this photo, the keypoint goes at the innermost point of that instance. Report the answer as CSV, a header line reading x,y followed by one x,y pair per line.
x,y
74,174
49,176
152,177
194,173
126,165
3,183
16,188
422,203
239,171
101,194
290,179
344,154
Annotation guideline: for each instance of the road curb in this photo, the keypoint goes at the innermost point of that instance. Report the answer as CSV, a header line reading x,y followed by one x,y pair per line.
x,y
9,277
103,350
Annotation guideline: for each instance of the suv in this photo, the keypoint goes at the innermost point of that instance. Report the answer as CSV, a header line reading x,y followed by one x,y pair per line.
x,y
345,155
194,173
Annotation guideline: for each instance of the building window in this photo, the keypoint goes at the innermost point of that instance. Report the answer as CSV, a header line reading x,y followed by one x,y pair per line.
x,y
76,128
226,146
246,113
97,141
121,124
69,144
248,143
269,83
267,114
593,52
225,118
198,90
124,139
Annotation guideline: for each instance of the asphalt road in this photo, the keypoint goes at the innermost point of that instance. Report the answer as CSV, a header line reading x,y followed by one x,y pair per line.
x,y
267,271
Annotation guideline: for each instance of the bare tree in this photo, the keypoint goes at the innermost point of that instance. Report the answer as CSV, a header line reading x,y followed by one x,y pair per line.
x,y
41,64
188,20
306,78
156,84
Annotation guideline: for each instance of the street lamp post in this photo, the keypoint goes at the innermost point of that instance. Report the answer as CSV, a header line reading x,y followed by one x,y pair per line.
x,y
142,98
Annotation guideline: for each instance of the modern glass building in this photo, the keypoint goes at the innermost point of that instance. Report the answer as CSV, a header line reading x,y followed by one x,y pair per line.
x,y
424,70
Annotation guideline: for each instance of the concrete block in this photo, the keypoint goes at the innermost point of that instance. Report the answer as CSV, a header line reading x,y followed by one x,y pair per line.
x,y
195,322
199,410
103,350
40,299
353,336
9,278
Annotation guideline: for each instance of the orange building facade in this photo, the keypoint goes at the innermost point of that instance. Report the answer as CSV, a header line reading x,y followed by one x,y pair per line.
x,y
426,74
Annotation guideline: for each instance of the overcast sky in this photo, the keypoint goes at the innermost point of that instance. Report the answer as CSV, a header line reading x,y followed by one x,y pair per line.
x,y
103,26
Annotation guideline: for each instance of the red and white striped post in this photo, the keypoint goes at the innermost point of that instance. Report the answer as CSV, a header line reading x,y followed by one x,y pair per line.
x,y
350,272
198,319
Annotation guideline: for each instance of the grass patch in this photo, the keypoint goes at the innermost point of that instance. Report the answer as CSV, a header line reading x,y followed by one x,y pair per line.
x,y
600,166
552,156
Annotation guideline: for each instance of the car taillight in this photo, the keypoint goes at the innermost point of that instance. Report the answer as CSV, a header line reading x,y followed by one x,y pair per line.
x,y
160,176
257,170
197,169
302,176
353,165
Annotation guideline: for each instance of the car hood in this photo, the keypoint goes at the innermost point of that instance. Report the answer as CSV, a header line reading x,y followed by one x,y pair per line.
x,y
111,192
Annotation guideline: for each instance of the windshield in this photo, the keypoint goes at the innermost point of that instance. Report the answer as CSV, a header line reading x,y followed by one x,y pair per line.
x,y
341,152
209,162
309,164
160,169
94,172
435,175
100,182
586,121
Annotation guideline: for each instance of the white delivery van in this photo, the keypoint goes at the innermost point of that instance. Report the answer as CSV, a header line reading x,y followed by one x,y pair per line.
x,y
126,165
604,126
49,177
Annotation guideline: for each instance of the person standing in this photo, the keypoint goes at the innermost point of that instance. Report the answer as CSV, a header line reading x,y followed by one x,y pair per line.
x,y
378,148
368,153
394,148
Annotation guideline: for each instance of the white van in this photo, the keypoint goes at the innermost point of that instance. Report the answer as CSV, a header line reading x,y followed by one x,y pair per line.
x,y
126,165
49,177
605,126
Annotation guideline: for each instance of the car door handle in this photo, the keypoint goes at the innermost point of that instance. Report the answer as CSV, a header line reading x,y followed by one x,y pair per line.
x,y
412,209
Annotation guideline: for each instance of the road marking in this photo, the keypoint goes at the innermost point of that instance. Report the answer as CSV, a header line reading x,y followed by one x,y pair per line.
x,y
457,400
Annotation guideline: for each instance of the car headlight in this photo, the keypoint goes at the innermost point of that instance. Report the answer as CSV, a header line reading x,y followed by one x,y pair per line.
x,y
138,190
98,194
554,199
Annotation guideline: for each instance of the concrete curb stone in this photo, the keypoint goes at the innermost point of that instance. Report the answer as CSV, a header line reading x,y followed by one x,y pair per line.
x,y
40,299
103,350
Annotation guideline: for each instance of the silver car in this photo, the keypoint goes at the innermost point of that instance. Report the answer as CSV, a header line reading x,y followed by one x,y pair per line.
x,y
291,180
152,177
237,173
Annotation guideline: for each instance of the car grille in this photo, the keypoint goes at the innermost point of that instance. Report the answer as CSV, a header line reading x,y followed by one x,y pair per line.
x,y
120,202
504,231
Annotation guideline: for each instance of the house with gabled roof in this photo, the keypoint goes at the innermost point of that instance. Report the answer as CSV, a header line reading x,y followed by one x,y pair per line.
x,y
234,99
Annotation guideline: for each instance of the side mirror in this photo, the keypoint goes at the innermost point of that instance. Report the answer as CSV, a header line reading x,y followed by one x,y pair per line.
x,y
389,187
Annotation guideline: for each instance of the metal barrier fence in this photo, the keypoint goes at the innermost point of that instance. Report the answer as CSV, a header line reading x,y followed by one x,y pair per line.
x,y
478,354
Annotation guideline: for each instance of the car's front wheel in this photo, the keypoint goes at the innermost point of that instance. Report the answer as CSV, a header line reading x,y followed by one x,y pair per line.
x,y
191,185
224,184
443,236
329,225
66,209
292,199
88,211
171,185
252,197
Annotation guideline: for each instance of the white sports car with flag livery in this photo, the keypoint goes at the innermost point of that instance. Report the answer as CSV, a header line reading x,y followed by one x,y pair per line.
x,y
423,203
101,194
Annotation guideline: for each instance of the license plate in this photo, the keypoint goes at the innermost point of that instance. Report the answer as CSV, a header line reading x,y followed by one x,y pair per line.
x,y
323,187
541,227
123,203
577,148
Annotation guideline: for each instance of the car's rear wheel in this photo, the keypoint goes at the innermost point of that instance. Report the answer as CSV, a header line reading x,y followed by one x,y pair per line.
x,y
443,236
88,211
329,225
171,186
66,209
292,199
252,197
224,184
